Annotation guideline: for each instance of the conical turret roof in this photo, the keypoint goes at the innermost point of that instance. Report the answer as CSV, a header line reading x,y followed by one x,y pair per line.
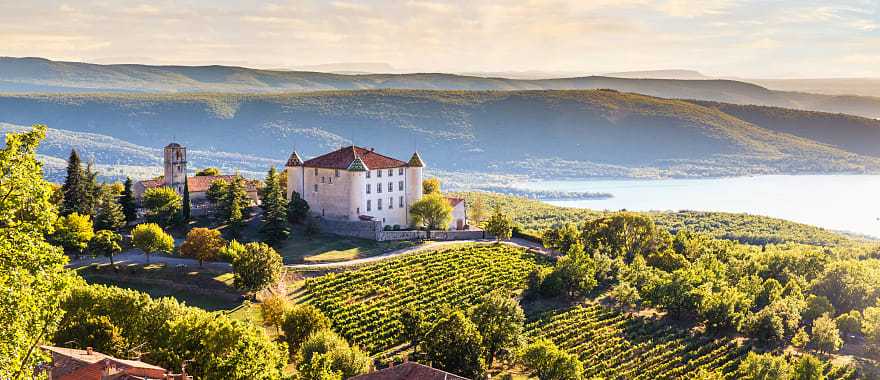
x,y
416,161
358,165
294,160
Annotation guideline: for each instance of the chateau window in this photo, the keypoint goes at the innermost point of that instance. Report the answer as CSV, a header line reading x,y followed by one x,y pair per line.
x,y
379,173
358,211
379,204
369,205
316,187
368,173
390,203
400,186
330,179
336,174
390,172
400,171
401,202
322,179
368,188
379,187
316,172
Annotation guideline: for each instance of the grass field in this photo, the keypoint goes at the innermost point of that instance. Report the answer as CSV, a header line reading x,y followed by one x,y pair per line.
x,y
204,288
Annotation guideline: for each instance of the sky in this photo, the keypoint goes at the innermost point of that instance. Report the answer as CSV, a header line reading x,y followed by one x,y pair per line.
x,y
755,39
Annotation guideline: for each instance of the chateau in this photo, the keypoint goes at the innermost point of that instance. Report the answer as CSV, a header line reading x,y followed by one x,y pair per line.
x,y
174,161
359,184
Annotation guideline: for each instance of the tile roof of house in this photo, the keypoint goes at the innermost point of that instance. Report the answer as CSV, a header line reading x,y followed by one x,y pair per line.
x,y
454,201
294,159
198,184
416,161
409,371
96,363
342,159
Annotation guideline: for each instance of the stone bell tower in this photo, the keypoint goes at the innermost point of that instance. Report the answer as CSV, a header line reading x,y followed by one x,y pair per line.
x,y
175,167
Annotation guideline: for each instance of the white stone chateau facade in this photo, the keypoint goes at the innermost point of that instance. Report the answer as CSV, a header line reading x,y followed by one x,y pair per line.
x,y
355,183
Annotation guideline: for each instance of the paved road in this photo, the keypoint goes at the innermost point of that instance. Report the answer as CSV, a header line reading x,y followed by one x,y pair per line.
x,y
134,256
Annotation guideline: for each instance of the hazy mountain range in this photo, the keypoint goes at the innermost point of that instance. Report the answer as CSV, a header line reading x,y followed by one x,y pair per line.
x,y
549,134
38,75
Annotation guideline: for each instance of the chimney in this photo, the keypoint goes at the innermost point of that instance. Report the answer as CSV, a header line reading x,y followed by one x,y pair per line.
x,y
372,149
89,351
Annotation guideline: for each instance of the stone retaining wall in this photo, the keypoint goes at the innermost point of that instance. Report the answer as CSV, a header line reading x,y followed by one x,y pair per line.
x,y
361,229
458,235
402,235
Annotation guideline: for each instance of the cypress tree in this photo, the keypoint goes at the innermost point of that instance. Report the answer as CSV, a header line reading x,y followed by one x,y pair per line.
x,y
109,215
73,185
186,210
236,202
275,227
91,191
129,207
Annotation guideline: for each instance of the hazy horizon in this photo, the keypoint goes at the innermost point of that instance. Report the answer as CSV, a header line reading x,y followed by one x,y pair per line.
x,y
729,38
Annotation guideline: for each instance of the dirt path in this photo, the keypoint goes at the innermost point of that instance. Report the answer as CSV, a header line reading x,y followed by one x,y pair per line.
x,y
134,256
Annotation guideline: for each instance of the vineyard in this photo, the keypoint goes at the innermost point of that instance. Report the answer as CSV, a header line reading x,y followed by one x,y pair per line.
x,y
364,303
613,345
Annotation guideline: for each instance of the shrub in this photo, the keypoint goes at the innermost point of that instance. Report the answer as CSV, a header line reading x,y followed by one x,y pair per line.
x,y
150,238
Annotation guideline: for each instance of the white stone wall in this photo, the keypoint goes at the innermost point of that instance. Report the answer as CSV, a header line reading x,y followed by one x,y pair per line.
x,y
459,218
395,214
331,200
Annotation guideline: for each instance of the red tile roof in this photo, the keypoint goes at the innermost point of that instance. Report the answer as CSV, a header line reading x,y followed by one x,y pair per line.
x,y
342,158
199,184
409,371
97,363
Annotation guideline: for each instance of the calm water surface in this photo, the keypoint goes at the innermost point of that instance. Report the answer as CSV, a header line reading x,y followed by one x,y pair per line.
x,y
839,202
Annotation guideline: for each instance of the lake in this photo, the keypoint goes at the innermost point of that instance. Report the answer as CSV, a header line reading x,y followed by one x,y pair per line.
x,y
839,202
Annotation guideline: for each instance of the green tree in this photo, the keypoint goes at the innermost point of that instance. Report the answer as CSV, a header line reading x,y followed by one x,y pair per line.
x,y
624,235
275,227
207,172
548,362
273,309
106,243
625,295
849,324
764,367
499,320
73,187
500,225
871,328
150,238
477,210
800,339
96,332
825,336
301,321
431,186
231,251
414,323
817,306
186,206
110,215
73,232
297,209
849,284
236,203
91,191
257,267
33,281
319,367
129,205
162,205
808,367
433,212
216,194
344,359
562,237
202,244
454,344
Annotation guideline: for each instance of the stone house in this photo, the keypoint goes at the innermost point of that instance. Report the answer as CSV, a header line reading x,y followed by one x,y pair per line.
x,y
175,174
358,184
73,364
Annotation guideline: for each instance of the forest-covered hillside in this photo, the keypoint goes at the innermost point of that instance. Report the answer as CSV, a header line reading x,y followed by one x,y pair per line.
x,y
547,134
38,75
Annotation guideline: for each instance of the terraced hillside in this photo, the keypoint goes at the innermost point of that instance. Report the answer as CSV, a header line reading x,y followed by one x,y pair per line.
x,y
613,345
364,304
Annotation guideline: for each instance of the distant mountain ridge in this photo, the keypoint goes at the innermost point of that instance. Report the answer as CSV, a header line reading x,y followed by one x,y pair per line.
x,y
37,75
547,134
